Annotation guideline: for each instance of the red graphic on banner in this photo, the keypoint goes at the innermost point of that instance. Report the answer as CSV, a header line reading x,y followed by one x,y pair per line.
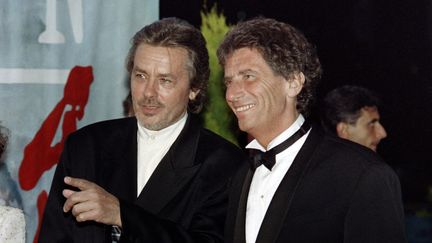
x,y
40,155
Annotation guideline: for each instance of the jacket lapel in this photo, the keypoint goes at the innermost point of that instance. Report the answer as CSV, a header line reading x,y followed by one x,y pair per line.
x,y
240,219
281,202
174,171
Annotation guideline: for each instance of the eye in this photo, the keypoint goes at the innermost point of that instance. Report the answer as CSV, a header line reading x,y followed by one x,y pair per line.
x,y
227,82
248,76
140,75
165,80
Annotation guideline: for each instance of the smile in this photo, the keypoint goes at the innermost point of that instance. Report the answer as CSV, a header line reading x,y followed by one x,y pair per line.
x,y
244,107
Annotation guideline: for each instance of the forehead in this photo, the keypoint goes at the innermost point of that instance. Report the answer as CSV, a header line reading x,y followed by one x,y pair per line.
x,y
244,58
369,113
174,57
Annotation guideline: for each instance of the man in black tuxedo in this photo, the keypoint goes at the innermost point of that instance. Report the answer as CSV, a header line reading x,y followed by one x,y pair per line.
x,y
302,186
158,176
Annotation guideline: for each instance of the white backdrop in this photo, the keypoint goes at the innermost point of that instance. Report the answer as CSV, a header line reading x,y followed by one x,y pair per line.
x,y
45,44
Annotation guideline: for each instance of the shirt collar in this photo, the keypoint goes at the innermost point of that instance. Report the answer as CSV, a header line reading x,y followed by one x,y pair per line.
x,y
280,138
147,134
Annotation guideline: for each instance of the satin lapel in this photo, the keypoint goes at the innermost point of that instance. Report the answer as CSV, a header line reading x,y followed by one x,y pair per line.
x,y
240,220
281,202
175,170
119,161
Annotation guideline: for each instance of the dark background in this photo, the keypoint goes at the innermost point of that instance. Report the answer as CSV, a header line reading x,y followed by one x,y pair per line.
x,y
384,45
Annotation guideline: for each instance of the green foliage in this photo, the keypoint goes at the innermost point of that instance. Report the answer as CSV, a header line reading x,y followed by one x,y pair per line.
x,y
218,117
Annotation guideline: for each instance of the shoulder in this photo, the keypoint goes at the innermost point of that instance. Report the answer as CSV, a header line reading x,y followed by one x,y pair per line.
x,y
349,157
11,212
103,129
12,222
107,125
218,153
210,139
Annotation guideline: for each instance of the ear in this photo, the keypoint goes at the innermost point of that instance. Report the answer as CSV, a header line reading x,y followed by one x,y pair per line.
x,y
193,94
342,130
295,84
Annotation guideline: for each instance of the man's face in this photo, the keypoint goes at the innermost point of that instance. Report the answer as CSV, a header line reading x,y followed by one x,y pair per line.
x,y
160,85
368,130
257,96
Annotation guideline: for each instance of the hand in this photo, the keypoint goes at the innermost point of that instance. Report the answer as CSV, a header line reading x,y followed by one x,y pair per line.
x,y
91,203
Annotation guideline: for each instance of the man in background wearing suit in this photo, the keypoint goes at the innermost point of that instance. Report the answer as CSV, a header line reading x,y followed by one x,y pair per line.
x,y
302,185
351,112
158,176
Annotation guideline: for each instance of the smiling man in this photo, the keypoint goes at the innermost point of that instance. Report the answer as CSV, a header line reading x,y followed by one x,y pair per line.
x,y
302,185
156,177
351,112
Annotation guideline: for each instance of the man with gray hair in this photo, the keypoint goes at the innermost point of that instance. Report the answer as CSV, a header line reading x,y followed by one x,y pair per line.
x,y
158,176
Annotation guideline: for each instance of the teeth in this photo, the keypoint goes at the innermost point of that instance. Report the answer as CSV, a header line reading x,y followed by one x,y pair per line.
x,y
244,108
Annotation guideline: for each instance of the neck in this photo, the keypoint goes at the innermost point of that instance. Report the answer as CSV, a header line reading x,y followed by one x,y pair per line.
x,y
266,136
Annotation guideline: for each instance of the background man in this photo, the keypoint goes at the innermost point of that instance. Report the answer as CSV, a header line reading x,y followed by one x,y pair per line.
x,y
351,112
312,187
158,176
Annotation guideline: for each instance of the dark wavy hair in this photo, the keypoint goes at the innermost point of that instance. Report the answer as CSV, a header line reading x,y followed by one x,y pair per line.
x,y
174,32
344,104
283,47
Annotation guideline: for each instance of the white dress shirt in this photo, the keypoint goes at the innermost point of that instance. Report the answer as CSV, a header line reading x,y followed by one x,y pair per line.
x,y
152,147
265,182
12,225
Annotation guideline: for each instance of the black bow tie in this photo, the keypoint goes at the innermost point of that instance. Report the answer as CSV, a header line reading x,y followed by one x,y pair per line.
x,y
268,158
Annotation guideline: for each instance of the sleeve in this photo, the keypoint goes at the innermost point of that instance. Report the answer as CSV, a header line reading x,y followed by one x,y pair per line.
x,y
56,226
376,212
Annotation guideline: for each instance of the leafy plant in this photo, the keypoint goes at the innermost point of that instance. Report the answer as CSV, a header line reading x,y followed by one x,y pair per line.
x,y
217,115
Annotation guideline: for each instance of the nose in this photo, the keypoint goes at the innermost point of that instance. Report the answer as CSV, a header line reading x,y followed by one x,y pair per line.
x,y
234,91
381,132
150,88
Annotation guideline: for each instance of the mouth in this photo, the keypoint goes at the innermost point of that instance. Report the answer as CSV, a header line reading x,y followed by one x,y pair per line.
x,y
243,108
150,110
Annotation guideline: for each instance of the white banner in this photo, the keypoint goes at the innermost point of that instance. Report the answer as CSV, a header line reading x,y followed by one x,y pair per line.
x,y
61,67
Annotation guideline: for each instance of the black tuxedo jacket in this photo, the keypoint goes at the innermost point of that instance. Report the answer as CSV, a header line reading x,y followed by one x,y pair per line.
x,y
335,191
184,200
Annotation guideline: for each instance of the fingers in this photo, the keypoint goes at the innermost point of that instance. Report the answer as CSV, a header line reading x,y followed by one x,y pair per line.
x,y
84,211
86,216
73,198
67,193
92,202
79,183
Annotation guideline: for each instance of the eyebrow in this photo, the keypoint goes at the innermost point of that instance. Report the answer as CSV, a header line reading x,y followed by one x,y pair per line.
x,y
242,72
247,71
375,120
140,70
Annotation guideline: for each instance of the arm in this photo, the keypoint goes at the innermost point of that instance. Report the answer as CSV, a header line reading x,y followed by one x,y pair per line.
x,y
92,203
376,211
56,226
